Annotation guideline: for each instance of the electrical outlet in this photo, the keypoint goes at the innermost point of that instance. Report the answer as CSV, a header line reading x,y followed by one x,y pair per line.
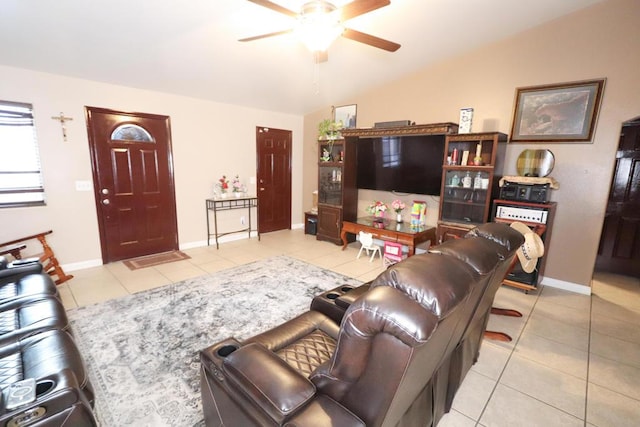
x,y
242,220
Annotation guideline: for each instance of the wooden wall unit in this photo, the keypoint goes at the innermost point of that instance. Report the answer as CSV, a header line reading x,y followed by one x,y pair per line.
x,y
467,189
337,192
338,197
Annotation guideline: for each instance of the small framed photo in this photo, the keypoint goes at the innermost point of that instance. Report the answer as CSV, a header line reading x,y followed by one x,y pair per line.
x,y
565,112
347,115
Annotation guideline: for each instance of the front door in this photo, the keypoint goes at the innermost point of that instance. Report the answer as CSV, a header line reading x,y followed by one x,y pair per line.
x,y
274,179
619,250
133,183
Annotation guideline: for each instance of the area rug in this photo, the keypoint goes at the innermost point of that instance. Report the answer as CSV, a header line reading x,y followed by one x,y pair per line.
x,y
141,350
155,259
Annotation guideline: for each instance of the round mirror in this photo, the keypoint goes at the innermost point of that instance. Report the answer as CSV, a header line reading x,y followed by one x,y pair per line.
x,y
535,163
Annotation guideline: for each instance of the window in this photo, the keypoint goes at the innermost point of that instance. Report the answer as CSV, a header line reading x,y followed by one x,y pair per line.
x,y
130,132
20,177
390,151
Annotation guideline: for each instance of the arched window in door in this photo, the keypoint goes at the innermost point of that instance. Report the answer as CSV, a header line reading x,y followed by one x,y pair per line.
x,y
131,132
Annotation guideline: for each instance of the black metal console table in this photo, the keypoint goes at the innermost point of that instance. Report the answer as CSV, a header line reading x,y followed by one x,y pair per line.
x,y
219,204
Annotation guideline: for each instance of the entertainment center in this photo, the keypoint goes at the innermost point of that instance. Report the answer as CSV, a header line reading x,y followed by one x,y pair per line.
x,y
389,159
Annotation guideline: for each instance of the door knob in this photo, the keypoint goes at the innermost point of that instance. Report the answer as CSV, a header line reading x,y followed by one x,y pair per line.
x,y
106,202
104,191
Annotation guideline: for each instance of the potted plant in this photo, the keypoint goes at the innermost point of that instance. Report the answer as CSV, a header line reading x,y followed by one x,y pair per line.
x,y
329,130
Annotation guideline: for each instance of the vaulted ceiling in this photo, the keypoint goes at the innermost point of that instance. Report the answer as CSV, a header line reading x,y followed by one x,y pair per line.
x,y
190,47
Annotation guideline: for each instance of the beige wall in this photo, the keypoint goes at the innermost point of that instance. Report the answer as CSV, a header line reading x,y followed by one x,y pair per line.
x,y
602,41
209,140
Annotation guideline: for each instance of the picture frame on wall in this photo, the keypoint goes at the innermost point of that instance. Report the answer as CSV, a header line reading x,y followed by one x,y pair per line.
x,y
347,114
565,112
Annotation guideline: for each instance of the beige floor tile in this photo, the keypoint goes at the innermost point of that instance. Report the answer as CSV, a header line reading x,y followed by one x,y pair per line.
x,y
91,291
203,255
511,326
565,298
492,360
368,276
515,299
144,283
615,349
185,272
548,326
473,394
358,267
212,267
549,353
609,326
550,386
622,378
456,419
576,317
510,408
602,305
606,408
66,296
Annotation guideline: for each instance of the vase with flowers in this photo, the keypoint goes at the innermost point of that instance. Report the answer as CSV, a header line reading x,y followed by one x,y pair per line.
x,y
377,209
222,186
237,186
398,206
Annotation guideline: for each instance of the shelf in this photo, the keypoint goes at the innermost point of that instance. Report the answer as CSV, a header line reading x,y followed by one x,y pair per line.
x,y
486,168
330,164
463,202
456,187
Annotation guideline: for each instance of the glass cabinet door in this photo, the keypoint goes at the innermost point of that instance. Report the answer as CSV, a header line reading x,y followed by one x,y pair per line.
x,y
465,196
330,185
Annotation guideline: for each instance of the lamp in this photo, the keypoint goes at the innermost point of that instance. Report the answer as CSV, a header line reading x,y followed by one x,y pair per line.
x,y
318,25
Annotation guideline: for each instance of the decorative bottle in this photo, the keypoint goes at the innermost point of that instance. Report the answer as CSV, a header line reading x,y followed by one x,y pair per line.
x,y
466,181
477,181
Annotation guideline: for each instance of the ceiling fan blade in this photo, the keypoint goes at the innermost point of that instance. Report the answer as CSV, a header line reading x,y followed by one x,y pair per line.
x,y
370,40
320,56
275,7
264,36
360,7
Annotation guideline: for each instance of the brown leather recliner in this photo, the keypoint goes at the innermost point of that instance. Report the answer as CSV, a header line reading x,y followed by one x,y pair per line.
x,y
380,367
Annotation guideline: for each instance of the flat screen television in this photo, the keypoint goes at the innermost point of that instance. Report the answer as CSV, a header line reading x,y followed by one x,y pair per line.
x,y
405,164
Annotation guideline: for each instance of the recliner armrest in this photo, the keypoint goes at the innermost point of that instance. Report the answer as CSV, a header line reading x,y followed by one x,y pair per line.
x,y
266,379
16,269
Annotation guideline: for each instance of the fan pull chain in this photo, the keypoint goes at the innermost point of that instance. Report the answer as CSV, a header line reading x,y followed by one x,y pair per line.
x,y
316,74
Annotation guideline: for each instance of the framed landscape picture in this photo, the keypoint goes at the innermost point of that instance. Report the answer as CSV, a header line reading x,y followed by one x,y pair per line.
x,y
347,115
565,112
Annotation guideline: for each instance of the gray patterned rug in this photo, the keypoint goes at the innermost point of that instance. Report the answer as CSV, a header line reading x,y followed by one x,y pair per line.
x,y
142,350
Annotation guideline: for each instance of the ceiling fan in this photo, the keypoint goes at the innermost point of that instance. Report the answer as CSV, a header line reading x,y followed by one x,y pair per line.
x,y
319,23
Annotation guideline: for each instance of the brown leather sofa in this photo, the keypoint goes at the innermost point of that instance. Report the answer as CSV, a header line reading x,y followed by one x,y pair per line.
x,y
35,342
400,349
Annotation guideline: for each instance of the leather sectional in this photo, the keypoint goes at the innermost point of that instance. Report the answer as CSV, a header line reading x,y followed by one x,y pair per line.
x,y
392,352
36,343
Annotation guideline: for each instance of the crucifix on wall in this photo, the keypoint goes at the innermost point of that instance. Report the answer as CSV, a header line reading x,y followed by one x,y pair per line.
x,y
63,119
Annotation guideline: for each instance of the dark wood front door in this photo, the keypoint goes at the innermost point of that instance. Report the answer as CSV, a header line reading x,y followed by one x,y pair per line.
x,y
133,183
274,179
619,250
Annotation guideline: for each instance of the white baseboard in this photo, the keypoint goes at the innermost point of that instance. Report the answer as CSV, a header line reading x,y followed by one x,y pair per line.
x,y
567,286
297,226
82,265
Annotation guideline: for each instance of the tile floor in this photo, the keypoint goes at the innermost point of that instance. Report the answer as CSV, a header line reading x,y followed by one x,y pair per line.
x,y
574,359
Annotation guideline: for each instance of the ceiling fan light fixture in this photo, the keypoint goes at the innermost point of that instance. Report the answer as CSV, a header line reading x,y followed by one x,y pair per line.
x,y
318,25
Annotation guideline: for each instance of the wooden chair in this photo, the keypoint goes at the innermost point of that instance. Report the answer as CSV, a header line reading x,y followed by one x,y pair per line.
x,y
47,258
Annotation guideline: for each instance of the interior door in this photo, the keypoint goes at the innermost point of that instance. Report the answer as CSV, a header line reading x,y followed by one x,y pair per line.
x,y
133,183
273,179
619,250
